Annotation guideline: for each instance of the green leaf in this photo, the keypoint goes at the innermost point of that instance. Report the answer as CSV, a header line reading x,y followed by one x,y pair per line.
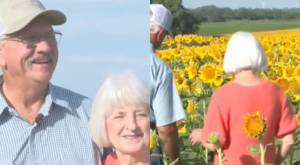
x,y
254,150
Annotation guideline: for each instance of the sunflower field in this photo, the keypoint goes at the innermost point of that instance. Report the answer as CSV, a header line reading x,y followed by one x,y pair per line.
x,y
196,62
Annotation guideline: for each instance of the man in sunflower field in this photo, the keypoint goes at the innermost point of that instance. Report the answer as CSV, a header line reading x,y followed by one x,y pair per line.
x,y
40,123
166,106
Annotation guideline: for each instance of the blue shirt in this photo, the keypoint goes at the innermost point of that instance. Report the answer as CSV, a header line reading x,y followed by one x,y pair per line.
x,y
166,105
61,136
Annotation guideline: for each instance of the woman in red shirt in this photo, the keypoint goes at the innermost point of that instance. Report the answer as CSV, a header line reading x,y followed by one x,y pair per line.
x,y
247,93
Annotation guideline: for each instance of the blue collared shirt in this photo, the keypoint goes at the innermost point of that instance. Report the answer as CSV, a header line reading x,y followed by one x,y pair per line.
x,y
61,137
166,105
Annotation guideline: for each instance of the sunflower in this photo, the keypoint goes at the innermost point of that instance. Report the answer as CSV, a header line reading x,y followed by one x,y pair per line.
x,y
213,138
288,70
254,125
153,137
208,73
191,107
196,88
192,70
297,71
272,73
298,119
270,55
295,90
283,84
182,131
218,80
178,77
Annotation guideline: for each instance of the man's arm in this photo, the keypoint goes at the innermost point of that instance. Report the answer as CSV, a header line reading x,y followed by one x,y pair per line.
x,y
288,142
169,135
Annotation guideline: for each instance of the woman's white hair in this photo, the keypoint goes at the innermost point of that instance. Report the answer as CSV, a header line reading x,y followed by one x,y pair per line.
x,y
116,91
244,52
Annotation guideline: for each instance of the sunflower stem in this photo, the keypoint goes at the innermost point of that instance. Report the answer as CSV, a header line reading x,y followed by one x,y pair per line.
x,y
204,114
206,156
262,151
220,155
204,108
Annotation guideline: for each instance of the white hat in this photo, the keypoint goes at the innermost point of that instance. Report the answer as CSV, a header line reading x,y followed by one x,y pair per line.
x,y
161,16
16,14
2,28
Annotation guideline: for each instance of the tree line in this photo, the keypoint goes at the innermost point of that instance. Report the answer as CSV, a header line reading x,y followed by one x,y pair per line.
x,y
220,14
188,20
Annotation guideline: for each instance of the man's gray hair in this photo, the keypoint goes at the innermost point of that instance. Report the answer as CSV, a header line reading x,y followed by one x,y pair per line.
x,y
154,28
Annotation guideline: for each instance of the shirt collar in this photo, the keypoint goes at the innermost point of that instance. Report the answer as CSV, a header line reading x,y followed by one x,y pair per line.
x,y
58,97
52,96
3,103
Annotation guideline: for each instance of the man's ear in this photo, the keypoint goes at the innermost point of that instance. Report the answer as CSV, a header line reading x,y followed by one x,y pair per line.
x,y
161,35
153,37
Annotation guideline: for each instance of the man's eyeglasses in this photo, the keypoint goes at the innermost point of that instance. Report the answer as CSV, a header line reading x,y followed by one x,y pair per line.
x,y
33,39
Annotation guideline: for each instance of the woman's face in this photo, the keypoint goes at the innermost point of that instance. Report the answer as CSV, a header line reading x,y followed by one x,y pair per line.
x,y
128,128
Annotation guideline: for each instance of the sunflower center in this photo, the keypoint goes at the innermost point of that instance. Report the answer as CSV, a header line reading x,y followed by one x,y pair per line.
x,y
209,72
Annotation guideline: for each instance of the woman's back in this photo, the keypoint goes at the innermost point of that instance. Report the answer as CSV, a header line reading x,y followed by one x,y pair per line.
x,y
228,107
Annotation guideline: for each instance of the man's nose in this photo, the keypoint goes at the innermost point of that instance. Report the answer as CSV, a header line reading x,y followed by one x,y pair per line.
x,y
44,45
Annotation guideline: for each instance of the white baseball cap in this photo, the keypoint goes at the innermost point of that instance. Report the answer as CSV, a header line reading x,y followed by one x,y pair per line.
x,y
16,14
161,16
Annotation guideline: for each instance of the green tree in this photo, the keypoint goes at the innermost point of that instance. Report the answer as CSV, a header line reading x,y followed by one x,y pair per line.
x,y
184,22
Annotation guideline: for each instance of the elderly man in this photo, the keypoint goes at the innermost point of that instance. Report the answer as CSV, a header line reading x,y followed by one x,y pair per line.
x,y
165,101
40,123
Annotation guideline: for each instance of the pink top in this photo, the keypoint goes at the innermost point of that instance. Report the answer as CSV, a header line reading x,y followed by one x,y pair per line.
x,y
110,159
228,106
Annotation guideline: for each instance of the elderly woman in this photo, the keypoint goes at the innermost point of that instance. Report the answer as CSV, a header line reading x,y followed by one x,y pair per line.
x,y
120,119
246,94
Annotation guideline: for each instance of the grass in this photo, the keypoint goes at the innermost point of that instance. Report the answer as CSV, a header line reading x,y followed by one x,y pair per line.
x,y
218,28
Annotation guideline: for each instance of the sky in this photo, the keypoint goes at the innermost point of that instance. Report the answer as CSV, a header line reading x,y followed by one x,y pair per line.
x,y
100,37
243,3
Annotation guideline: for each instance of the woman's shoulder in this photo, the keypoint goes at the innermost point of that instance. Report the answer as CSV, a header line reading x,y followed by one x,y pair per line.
x,y
227,87
232,88
235,85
